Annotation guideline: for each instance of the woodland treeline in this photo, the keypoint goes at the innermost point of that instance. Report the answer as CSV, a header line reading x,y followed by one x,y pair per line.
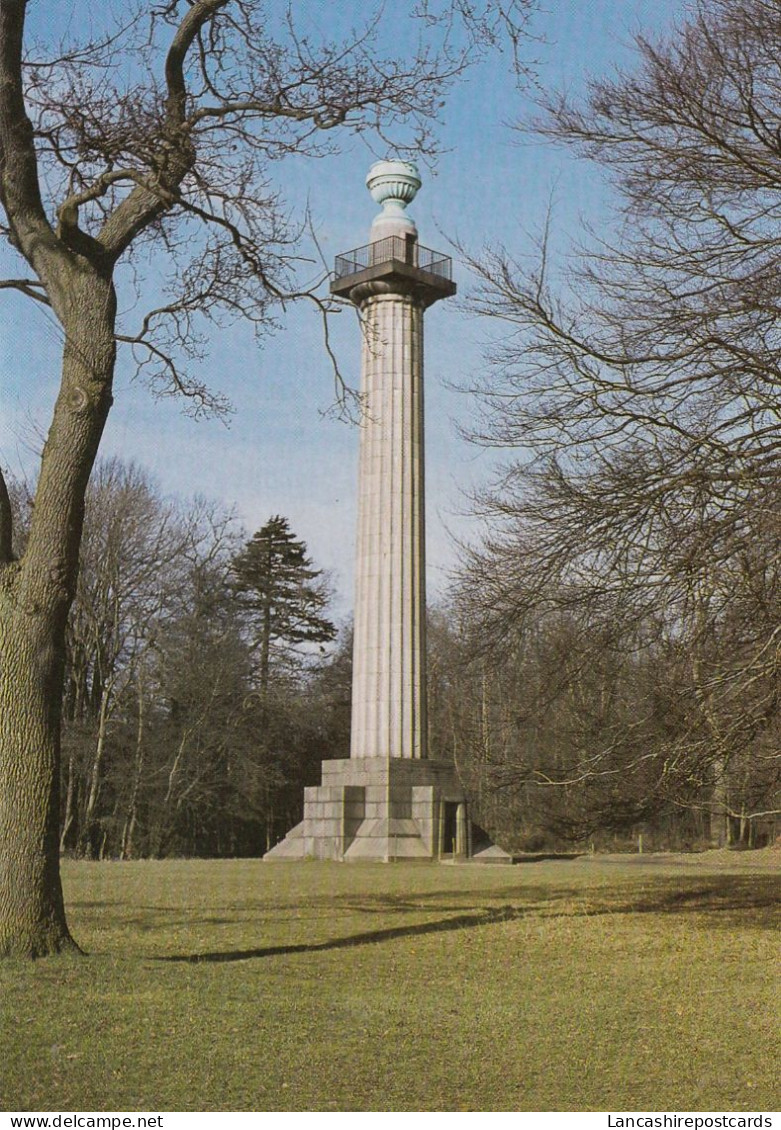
x,y
627,596
584,728
205,683
196,702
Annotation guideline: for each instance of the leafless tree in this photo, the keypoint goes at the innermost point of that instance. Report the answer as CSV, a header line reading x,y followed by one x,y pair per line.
x,y
645,388
158,136
134,561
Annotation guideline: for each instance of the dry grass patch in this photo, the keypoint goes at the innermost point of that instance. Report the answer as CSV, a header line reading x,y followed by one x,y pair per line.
x,y
580,985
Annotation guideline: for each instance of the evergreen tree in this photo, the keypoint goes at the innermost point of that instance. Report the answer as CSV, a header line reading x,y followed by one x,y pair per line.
x,y
282,593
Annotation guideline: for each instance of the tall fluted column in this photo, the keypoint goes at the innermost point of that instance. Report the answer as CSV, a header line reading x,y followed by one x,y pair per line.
x,y
389,652
392,280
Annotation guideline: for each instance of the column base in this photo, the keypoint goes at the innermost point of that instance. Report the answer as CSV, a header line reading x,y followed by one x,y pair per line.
x,y
387,810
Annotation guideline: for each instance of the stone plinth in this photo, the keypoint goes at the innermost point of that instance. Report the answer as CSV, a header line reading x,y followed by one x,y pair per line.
x,y
381,809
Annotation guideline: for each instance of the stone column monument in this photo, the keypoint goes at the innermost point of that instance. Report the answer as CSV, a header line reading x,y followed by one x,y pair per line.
x,y
388,800
389,655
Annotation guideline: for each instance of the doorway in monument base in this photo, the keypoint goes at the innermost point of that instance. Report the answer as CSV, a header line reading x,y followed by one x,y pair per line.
x,y
454,830
449,827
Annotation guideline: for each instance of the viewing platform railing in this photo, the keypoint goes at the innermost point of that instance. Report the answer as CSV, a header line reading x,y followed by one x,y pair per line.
x,y
407,251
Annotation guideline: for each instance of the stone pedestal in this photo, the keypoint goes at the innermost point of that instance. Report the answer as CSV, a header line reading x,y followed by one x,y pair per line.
x,y
381,809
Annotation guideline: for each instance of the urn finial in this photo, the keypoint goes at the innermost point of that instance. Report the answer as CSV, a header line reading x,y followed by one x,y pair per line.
x,y
394,185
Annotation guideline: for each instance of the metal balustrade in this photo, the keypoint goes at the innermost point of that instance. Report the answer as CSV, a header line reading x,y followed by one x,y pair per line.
x,y
407,251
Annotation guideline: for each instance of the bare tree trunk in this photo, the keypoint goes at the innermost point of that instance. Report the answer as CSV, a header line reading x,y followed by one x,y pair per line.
x,y
67,820
131,818
35,596
162,831
87,830
719,818
32,917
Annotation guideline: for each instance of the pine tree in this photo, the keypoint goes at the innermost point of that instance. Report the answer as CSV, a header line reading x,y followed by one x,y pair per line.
x,y
282,593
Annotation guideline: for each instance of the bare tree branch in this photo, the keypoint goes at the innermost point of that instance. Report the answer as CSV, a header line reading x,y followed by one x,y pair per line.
x,y
20,192
30,287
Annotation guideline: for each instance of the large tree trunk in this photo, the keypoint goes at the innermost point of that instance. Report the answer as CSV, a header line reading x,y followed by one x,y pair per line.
x,y
35,596
32,918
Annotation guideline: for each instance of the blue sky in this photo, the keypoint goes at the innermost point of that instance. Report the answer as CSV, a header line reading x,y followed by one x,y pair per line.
x,y
280,452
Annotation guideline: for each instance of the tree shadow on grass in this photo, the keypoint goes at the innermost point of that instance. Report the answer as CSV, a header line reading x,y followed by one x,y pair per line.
x,y
724,901
750,901
488,917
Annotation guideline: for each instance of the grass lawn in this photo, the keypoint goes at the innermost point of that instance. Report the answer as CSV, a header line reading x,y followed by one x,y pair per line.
x,y
557,985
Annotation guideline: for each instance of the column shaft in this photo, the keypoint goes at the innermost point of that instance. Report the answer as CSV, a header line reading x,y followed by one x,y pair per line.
x,y
389,685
